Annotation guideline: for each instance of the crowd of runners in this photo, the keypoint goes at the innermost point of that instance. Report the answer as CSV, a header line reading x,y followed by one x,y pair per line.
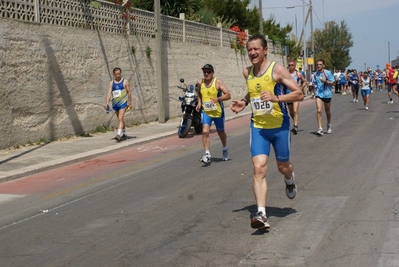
x,y
344,82
350,81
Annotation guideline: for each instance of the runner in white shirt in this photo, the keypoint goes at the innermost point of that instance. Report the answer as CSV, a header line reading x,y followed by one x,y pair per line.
x,y
365,89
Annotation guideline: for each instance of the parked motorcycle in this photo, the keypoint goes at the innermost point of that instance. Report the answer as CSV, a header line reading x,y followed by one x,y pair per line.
x,y
191,117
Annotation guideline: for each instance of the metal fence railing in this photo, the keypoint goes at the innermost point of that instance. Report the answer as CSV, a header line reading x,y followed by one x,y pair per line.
x,y
106,16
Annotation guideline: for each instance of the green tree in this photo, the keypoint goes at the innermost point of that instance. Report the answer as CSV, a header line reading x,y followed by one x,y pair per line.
x,y
168,7
233,10
332,44
277,33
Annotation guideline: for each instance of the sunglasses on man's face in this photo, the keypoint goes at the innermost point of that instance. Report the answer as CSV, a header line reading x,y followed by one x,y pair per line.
x,y
290,65
207,71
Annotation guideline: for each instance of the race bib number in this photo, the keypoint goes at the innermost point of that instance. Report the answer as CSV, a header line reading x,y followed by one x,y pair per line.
x,y
260,107
209,106
116,93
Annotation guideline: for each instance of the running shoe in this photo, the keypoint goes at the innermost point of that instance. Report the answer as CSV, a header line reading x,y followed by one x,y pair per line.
x,y
329,129
320,132
259,221
206,158
344,93
390,102
118,138
357,100
225,156
354,100
123,137
366,108
290,189
295,129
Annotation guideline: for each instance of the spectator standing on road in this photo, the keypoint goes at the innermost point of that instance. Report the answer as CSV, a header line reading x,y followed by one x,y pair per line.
x,y
293,107
211,94
323,80
119,92
270,123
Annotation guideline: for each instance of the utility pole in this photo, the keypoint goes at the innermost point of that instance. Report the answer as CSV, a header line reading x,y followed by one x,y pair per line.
x,y
260,18
311,33
158,72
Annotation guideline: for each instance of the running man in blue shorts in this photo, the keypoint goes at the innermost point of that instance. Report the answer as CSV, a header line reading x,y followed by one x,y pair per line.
x,y
119,92
270,122
211,94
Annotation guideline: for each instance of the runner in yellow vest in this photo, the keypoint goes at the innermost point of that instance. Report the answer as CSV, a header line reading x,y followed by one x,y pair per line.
x,y
270,123
211,94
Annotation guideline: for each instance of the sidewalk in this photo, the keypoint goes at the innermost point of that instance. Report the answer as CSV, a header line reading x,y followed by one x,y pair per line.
x,y
27,160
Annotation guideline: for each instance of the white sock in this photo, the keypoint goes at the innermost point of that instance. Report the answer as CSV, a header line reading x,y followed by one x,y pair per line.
x,y
207,152
119,131
225,148
289,181
263,210
124,131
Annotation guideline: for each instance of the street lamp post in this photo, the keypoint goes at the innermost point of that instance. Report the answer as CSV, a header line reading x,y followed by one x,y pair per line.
x,y
260,18
261,14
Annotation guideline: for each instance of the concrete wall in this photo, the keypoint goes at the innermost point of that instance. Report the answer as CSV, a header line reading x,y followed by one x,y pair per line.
x,y
53,80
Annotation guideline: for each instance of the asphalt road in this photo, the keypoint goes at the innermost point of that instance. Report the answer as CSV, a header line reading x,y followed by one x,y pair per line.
x,y
155,204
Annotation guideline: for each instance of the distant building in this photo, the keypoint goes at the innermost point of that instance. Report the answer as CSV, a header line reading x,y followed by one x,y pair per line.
x,y
395,62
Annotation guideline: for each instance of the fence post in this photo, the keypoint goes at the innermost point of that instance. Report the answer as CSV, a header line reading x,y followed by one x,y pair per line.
x,y
128,22
219,25
182,17
37,9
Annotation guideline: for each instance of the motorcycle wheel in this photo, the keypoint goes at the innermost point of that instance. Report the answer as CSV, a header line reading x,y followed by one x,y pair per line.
x,y
184,127
198,128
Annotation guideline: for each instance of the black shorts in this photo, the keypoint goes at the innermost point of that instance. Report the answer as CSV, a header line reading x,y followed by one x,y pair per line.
x,y
325,100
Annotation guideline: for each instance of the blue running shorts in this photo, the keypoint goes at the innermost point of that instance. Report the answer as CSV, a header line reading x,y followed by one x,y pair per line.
x,y
207,120
280,139
365,92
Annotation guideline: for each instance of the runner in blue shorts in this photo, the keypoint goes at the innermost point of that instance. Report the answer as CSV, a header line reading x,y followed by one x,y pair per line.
x,y
211,94
120,95
365,89
270,122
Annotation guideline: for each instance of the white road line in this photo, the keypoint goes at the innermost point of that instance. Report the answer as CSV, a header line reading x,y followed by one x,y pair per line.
x,y
299,233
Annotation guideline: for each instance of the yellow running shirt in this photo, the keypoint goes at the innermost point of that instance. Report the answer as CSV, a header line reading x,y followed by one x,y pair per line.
x,y
266,115
207,93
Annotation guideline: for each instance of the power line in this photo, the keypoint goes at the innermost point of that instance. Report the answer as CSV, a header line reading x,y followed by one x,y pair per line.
x,y
321,23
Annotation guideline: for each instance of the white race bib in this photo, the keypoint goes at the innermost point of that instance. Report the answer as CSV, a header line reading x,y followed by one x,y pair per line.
x,y
116,93
260,107
209,106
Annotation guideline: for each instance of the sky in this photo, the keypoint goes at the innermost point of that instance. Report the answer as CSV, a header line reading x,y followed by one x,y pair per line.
x,y
373,25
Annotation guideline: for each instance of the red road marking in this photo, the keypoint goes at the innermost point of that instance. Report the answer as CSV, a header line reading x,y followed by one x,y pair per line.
x,y
87,170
